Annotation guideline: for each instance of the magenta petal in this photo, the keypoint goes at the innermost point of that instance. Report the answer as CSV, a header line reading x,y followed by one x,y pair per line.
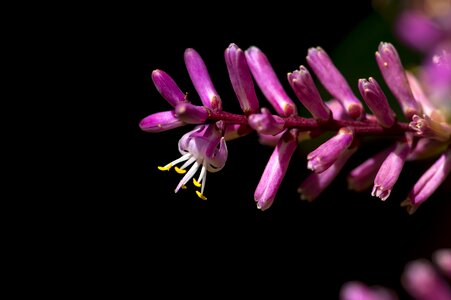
x,y
302,83
160,122
269,84
437,75
417,30
431,179
442,259
390,170
241,79
167,87
316,183
326,154
334,81
337,109
233,131
395,76
423,283
377,102
191,114
269,140
266,123
359,291
419,95
201,80
363,176
275,170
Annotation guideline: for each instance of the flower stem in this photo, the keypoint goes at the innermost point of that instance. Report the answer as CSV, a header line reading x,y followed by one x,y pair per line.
x,y
306,124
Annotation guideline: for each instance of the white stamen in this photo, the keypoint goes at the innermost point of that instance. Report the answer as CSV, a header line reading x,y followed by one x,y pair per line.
x,y
204,178
189,162
188,176
178,160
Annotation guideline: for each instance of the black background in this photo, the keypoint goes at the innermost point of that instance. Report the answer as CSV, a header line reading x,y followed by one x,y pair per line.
x,y
159,241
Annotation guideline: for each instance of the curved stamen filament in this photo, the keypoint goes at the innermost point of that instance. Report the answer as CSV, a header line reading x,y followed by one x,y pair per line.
x,y
178,160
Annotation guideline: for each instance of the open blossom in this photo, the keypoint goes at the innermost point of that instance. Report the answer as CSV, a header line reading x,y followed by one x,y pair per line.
x,y
203,148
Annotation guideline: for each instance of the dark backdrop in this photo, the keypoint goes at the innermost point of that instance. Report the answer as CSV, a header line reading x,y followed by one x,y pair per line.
x,y
165,242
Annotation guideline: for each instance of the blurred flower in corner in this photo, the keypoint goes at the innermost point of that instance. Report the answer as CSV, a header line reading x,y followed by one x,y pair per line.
x,y
425,25
420,279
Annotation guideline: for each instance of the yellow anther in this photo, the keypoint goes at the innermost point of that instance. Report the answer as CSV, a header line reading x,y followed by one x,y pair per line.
x,y
180,171
196,183
165,168
199,194
184,187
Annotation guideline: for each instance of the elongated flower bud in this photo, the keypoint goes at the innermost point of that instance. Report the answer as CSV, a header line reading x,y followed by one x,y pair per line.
x,y
267,80
316,183
442,259
363,176
393,72
377,102
275,170
420,96
325,155
303,86
241,79
161,121
358,291
429,182
201,80
423,283
167,87
334,81
389,171
190,113
269,139
266,123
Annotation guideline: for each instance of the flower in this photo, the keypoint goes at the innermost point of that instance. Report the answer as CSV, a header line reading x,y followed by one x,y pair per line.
x,y
325,155
334,81
395,76
425,27
390,170
303,86
377,102
203,148
419,278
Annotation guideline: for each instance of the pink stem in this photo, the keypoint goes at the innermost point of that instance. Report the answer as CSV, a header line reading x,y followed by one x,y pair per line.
x,y
305,124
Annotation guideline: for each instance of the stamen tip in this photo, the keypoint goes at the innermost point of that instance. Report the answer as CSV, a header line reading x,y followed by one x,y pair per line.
x,y
201,196
196,183
180,171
